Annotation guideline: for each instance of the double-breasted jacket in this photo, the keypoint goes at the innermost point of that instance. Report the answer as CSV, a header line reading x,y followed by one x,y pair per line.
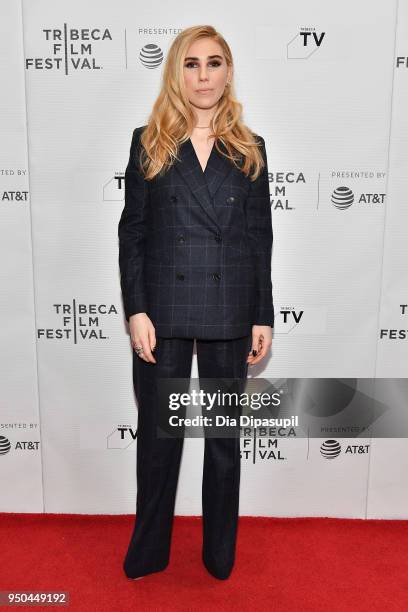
x,y
195,246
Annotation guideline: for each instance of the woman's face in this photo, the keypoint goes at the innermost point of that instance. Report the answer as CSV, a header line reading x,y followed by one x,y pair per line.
x,y
205,73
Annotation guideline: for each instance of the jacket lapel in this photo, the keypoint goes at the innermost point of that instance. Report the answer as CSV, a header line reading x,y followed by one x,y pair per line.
x,y
203,185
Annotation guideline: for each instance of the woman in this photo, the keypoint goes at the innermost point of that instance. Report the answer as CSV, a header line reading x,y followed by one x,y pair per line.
x,y
195,241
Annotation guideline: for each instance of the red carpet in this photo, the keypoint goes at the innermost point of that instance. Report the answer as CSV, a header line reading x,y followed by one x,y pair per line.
x,y
299,565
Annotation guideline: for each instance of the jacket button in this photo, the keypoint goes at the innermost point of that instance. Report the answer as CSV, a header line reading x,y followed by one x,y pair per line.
x,y
180,276
216,276
180,238
230,199
217,237
173,198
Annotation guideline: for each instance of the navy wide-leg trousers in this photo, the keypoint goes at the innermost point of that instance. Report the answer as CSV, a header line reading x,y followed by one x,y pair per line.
x,y
158,459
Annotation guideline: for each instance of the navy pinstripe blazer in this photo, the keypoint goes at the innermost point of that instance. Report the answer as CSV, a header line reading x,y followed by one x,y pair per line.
x,y
195,247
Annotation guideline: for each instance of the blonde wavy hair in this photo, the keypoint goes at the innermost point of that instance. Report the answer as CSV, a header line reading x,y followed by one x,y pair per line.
x,y
172,119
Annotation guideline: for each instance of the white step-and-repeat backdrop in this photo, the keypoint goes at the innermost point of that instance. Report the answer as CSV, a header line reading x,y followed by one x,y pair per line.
x,y
327,87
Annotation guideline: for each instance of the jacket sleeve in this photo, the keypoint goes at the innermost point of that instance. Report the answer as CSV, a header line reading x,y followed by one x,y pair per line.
x,y
132,231
259,224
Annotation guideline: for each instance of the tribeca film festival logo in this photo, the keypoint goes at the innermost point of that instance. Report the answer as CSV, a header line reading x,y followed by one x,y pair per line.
x,y
78,322
280,181
400,330
70,49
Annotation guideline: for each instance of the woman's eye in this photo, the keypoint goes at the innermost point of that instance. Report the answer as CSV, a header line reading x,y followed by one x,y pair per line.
x,y
192,64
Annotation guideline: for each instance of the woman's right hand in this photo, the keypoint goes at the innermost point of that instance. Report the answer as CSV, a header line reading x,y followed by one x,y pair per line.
x,y
142,333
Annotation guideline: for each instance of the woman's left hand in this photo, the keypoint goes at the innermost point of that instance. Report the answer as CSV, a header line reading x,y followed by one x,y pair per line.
x,y
261,343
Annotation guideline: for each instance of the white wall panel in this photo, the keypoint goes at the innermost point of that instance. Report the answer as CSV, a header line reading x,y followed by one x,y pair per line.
x,y
326,87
